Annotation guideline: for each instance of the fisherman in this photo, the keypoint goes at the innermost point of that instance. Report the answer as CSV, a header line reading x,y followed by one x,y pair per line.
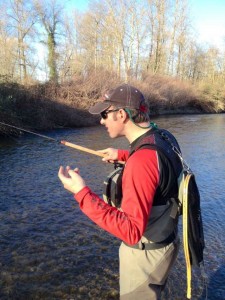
x,y
148,184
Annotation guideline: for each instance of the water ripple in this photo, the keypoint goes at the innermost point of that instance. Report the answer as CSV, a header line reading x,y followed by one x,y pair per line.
x,y
50,250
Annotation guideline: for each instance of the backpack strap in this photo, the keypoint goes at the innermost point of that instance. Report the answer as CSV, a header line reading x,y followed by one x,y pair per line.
x,y
176,167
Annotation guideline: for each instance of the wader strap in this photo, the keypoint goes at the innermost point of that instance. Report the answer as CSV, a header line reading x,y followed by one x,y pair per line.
x,y
153,246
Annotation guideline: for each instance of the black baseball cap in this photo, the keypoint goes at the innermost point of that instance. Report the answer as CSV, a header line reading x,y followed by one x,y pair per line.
x,y
125,96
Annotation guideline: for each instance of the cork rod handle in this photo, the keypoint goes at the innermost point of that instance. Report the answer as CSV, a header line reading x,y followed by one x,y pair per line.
x,y
81,148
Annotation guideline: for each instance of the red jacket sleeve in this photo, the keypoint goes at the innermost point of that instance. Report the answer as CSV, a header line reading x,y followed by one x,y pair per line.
x,y
123,154
140,181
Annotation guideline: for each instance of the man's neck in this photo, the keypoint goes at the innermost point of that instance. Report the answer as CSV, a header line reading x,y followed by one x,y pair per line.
x,y
133,132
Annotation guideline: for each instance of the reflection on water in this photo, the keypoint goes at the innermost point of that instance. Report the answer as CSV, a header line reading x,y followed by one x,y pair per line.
x,y
50,250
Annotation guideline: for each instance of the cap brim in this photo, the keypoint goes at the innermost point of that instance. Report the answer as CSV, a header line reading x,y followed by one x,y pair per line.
x,y
99,107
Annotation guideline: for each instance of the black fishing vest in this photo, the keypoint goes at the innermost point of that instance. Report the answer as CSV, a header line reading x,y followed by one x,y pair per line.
x,y
164,211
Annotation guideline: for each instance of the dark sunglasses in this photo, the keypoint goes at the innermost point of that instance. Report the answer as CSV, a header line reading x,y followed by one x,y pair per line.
x,y
104,114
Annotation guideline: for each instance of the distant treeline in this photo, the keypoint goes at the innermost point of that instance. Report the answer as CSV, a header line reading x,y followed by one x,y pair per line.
x,y
50,40
52,105
55,61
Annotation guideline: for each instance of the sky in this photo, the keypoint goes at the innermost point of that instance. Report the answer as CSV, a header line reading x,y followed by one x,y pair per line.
x,y
208,18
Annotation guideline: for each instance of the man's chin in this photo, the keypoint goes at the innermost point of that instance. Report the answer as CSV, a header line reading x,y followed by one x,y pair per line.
x,y
114,136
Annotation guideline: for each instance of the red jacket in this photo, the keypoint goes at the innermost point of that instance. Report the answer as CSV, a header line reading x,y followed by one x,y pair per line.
x,y
139,184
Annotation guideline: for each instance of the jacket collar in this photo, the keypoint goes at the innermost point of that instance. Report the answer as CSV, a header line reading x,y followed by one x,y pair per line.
x,y
134,145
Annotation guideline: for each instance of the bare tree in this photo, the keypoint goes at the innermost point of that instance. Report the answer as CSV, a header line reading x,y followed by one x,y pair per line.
x,y
50,14
8,46
157,11
67,50
174,29
126,25
160,6
21,20
128,37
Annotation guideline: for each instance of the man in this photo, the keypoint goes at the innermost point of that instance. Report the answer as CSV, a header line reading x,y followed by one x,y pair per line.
x,y
144,219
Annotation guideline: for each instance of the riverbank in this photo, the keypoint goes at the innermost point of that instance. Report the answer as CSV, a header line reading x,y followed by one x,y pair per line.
x,y
49,106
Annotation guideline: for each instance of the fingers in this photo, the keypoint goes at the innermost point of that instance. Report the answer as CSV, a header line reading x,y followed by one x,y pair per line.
x,y
105,159
76,170
103,151
70,179
67,173
61,172
108,160
63,175
73,174
107,154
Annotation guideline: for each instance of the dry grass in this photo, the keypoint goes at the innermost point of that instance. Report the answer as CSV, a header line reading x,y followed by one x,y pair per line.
x,y
171,95
47,106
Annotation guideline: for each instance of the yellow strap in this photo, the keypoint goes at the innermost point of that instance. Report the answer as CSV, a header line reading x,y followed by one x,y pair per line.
x,y
185,234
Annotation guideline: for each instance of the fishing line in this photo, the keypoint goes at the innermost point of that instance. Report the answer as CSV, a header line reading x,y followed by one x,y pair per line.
x,y
81,148
21,129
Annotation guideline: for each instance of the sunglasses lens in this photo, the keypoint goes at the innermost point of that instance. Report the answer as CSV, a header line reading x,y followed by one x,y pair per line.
x,y
104,115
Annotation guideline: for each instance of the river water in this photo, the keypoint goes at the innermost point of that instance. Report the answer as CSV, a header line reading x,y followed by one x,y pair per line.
x,y
50,250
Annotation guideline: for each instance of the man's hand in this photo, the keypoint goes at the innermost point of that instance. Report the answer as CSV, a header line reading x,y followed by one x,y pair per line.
x,y
71,179
111,154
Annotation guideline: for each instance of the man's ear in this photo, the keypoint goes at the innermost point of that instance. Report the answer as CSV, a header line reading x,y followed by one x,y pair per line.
x,y
122,115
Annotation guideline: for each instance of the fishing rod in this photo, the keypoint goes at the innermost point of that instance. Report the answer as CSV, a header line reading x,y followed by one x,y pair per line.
x,y
81,148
